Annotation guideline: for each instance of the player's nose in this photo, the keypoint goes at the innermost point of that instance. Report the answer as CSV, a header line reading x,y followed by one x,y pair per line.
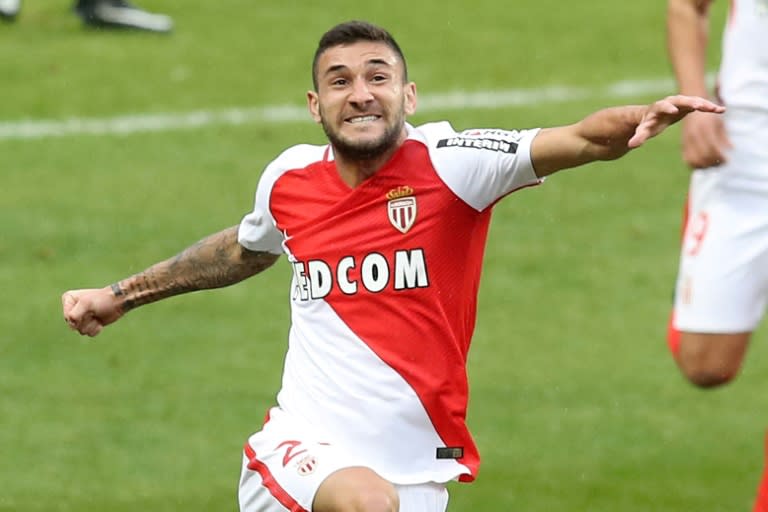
x,y
361,92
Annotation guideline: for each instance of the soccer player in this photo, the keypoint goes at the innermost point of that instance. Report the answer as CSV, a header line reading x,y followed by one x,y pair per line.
x,y
385,229
103,14
722,283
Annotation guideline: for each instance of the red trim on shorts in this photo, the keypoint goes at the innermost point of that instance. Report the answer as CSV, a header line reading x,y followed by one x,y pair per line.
x,y
761,502
268,481
673,335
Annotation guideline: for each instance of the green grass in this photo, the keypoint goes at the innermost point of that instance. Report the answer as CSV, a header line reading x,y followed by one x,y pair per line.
x,y
575,402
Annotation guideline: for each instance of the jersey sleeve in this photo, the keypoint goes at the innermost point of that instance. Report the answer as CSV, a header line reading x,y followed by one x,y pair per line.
x,y
481,165
257,231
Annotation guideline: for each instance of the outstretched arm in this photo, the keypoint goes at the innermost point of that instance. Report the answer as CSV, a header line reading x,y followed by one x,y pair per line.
x,y
610,133
214,262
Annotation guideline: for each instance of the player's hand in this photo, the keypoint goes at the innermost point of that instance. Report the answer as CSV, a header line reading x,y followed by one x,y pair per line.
x,y
89,311
663,113
705,141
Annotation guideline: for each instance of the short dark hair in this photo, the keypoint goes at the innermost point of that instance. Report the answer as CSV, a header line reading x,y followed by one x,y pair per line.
x,y
352,32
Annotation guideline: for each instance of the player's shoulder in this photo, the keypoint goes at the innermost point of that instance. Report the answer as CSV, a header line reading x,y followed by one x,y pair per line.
x,y
295,157
299,156
429,133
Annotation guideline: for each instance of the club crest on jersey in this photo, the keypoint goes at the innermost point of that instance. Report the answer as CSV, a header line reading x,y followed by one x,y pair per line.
x,y
401,208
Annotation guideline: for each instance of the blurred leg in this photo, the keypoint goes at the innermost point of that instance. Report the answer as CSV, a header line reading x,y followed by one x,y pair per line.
x,y
708,360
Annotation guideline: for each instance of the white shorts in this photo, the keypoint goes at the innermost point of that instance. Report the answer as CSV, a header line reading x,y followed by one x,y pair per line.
x,y
722,283
284,465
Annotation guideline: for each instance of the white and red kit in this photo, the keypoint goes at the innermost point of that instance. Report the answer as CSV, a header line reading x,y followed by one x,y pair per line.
x,y
384,290
722,283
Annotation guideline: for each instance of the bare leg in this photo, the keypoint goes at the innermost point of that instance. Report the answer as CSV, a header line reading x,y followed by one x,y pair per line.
x,y
356,489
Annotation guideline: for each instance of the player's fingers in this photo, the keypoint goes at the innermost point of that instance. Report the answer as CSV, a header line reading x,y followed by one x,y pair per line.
x,y
668,107
664,114
641,135
708,106
704,141
705,153
77,311
696,150
90,327
692,103
698,155
67,301
715,142
76,323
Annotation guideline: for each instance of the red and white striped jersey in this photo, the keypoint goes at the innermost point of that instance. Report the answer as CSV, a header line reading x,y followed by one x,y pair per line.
x,y
743,76
384,291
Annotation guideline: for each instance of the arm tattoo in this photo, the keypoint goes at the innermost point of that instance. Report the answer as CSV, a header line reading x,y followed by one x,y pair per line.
x,y
214,262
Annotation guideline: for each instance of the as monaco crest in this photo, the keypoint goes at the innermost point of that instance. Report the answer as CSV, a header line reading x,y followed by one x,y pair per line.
x,y
401,208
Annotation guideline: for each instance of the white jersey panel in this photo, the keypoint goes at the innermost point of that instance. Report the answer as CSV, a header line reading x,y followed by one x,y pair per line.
x,y
257,231
332,379
480,165
743,79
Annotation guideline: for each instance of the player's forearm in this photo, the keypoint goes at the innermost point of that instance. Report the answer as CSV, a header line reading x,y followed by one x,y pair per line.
x,y
216,261
687,39
603,135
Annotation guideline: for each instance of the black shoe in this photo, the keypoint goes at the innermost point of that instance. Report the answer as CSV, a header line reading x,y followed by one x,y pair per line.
x,y
9,9
121,14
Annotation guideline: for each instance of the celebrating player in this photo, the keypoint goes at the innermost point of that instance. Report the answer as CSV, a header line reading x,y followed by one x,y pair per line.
x,y
385,230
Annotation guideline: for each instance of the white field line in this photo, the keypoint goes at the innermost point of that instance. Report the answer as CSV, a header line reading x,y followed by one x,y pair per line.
x,y
273,114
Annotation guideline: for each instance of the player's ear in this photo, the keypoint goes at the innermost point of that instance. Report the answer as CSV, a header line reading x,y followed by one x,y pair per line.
x,y
410,98
313,103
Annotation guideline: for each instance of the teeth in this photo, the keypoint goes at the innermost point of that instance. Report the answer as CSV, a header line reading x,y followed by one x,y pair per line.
x,y
362,119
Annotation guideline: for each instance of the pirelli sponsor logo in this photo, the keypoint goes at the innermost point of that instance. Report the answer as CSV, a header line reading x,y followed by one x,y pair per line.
x,y
502,146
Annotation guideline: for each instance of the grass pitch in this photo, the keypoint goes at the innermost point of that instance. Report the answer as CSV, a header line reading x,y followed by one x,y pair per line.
x,y
575,402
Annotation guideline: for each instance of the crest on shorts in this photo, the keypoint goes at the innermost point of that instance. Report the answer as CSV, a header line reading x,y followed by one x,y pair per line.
x,y
401,208
307,465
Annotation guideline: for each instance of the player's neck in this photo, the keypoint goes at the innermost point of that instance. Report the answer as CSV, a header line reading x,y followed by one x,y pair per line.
x,y
353,173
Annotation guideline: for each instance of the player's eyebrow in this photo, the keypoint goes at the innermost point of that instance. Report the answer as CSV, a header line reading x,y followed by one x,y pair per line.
x,y
370,63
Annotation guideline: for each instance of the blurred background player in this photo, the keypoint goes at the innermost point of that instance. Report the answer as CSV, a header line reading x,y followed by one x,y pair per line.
x,y
104,14
722,284
9,9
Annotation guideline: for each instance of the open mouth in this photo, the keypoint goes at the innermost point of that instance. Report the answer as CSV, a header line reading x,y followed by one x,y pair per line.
x,y
362,119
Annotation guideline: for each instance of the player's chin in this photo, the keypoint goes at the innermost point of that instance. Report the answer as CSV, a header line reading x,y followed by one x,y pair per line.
x,y
370,129
363,137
